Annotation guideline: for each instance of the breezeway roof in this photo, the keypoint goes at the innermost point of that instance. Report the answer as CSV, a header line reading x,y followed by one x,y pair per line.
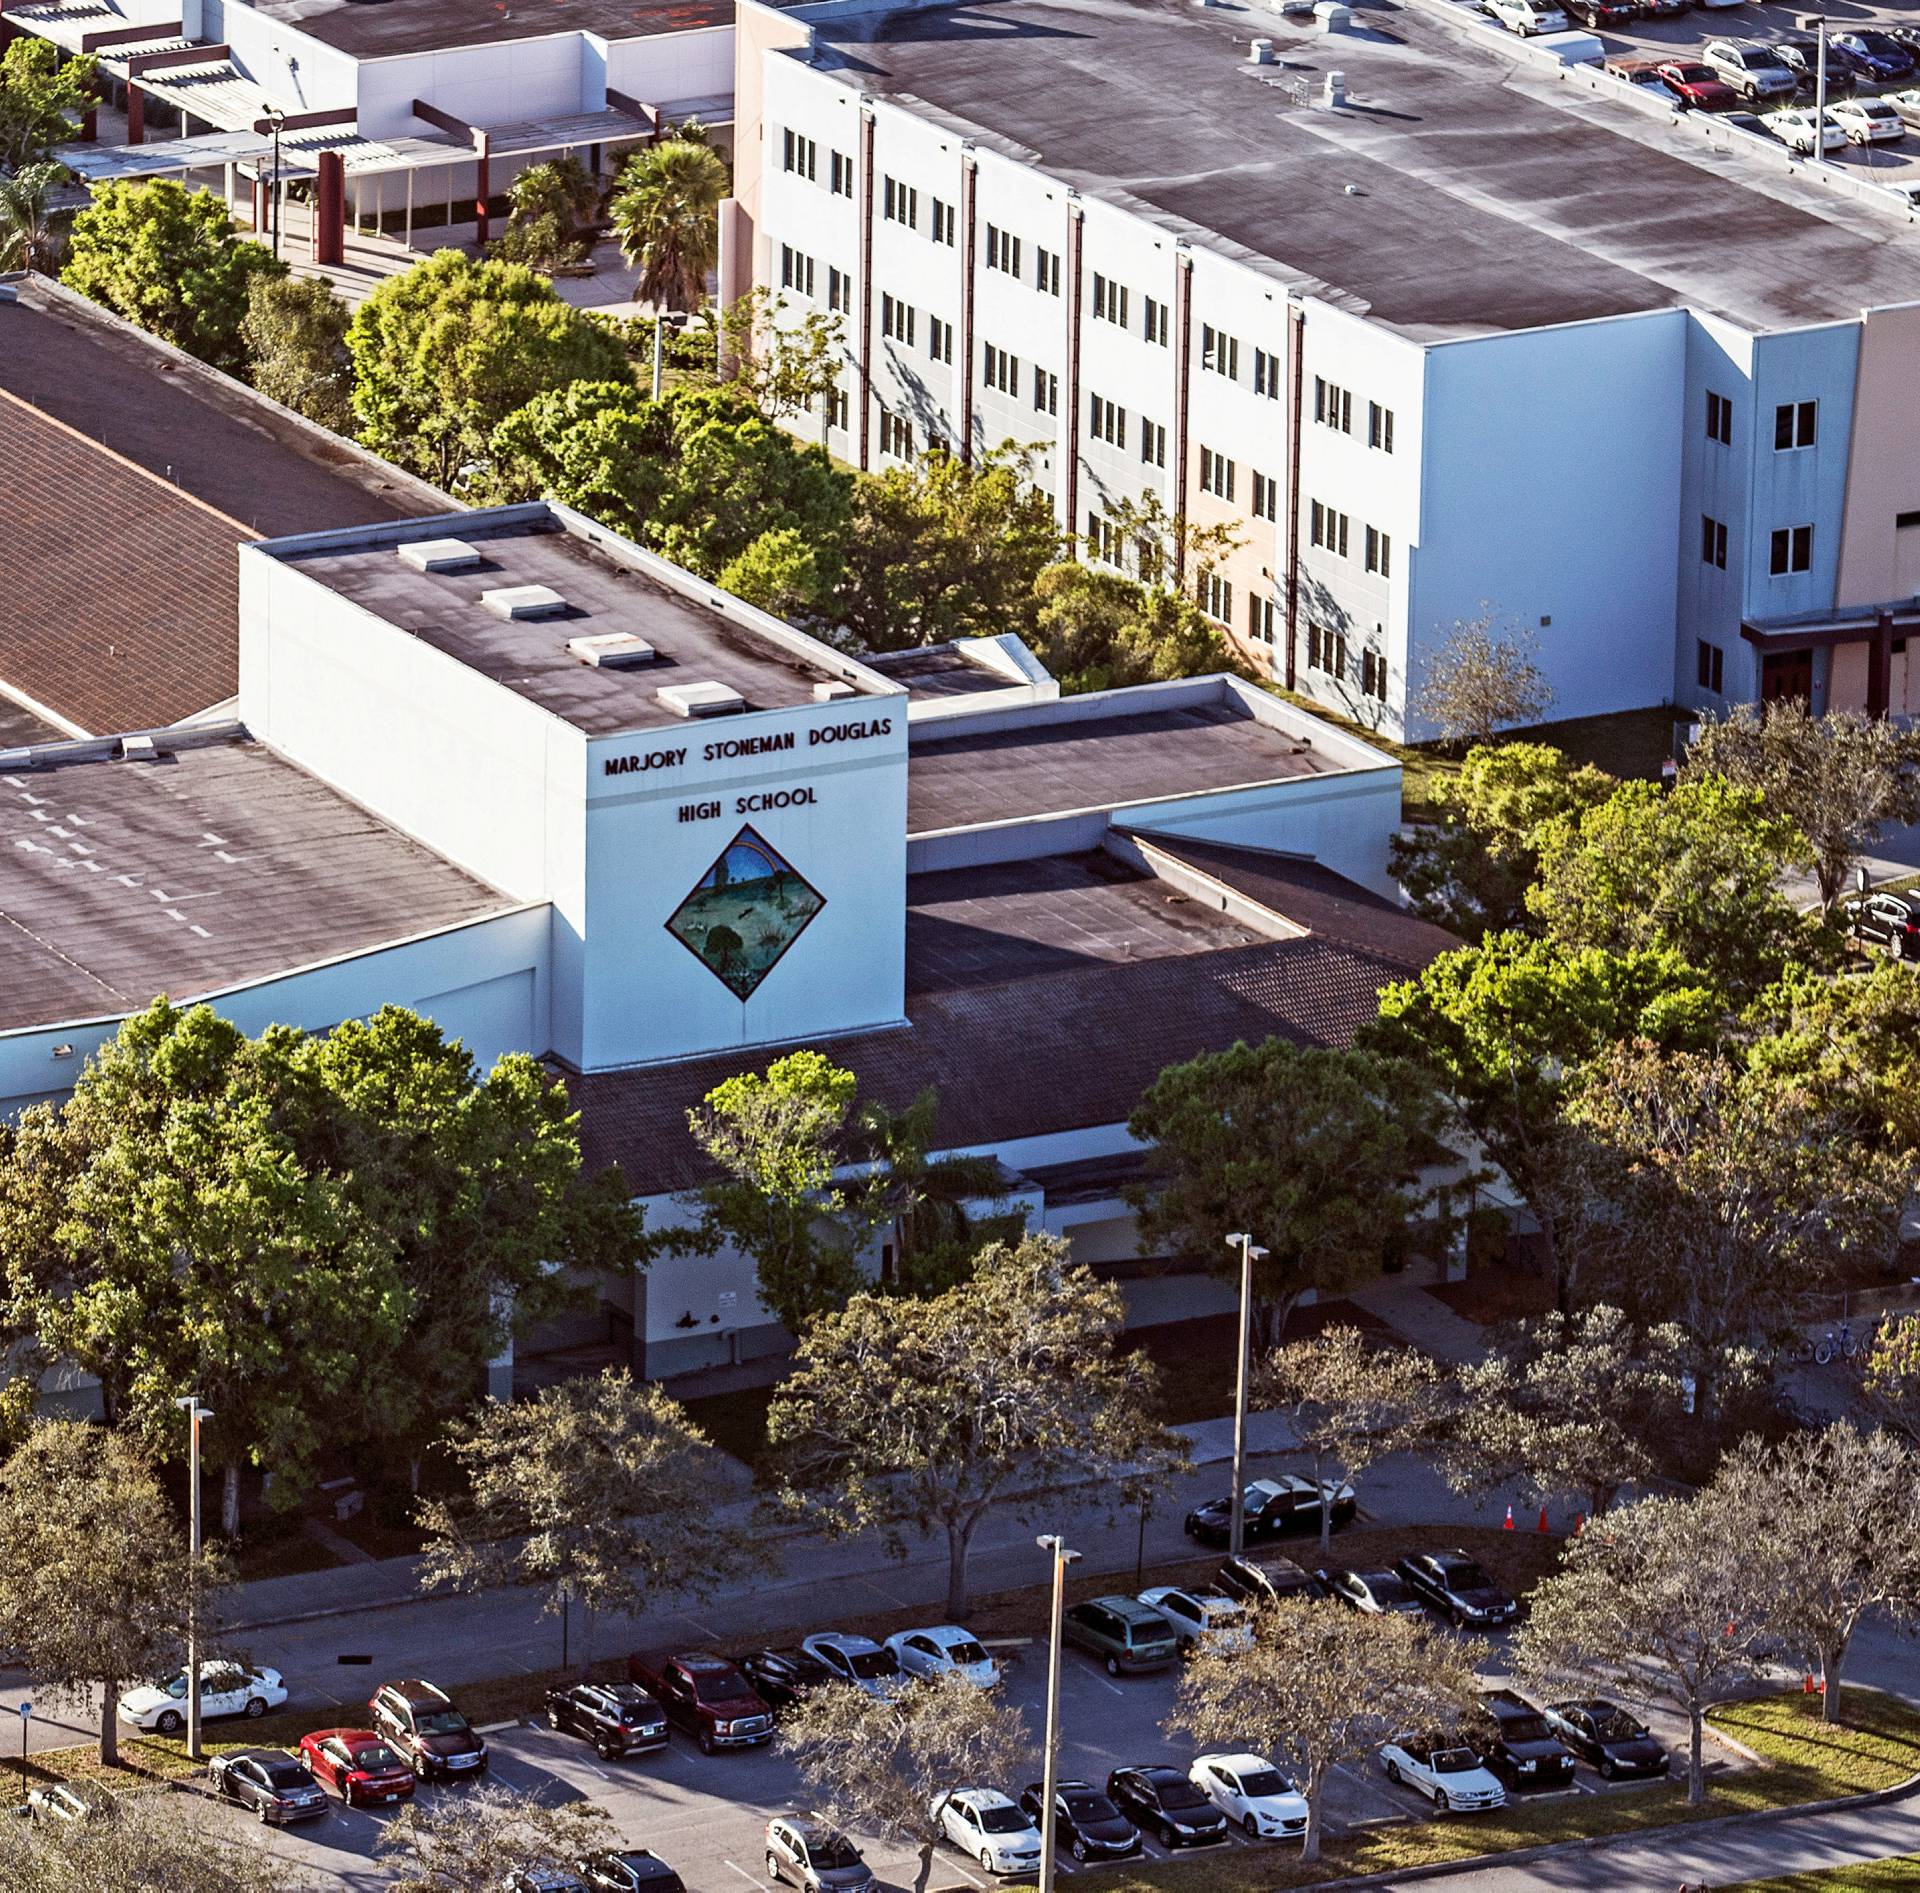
x,y
165,157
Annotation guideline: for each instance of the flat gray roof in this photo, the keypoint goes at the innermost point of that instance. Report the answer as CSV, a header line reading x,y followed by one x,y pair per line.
x,y
418,26
529,656
215,865
1458,193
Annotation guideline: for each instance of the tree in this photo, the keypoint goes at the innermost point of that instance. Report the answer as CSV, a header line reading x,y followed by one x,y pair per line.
x,y
877,1764
1348,1402
1315,1152
938,549
446,351
1470,870
1322,1687
43,99
1100,630
553,208
1696,870
1841,779
783,357
1658,1608
151,1842
31,236
481,1837
666,212
599,1492
94,1571
295,336
1831,1520
1479,680
922,1415
171,260
1892,1381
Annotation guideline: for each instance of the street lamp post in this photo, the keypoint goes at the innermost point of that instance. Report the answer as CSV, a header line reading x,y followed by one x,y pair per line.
x,y
195,1414
276,120
1250,1252
1050,1766
26,1716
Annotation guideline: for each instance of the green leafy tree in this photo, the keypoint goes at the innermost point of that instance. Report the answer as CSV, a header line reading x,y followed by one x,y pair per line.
x,y
553,210
1165,544
443,353
783,357
485,1836
600,447
1100,630
148,1842
171,260
1470,870
1852,1045
43,99
295,337
784,572
1892,1380
32,233
1479,679
920,1415
1315,1152
666,213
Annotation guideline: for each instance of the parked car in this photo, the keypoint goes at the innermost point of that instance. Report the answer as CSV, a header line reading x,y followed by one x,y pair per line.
x,y
1662,9
985,1824
544,1880
1888,921
1085,1822
815,1857
944,1650
1644,73
1373,1593
1879,56
1201,1619
1868,121
1454,1585
226,1689
71,1803
857,1660
1124,1632
1526,17
617,1718
781,1677
1163,1802
1253,1793
1754,70
1794,128
358,1765
1260,1581
1749,122
1270,1507
1609,1739
1696,86
1596,14
1906,103
1445,1768
705,1697
430,1733
1522,1750
629,1870
1800,53
275,1785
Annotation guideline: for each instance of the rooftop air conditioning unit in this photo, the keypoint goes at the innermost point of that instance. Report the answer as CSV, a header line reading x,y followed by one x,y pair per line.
x,y
700,699
138,749
439,555
612,650
524,601
831,692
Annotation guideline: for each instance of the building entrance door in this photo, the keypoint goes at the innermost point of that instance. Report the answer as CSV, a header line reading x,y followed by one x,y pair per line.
x,y
1785,674
1906,557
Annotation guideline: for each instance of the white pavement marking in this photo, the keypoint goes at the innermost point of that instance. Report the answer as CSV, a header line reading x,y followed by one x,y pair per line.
x,y
1115,1687
751,1879
494,1728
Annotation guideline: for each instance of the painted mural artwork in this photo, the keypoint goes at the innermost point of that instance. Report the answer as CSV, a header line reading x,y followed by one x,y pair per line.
x,y
744,913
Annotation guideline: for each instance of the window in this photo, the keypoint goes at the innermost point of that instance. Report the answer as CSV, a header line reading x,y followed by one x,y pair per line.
x,y
1220,352
1266,374
1712,666
1373,674
1154,326
840,173
1003,251
1216,474
797,154
1216,597
1109,301
1713,542
1046,392
839,291
1793,425
1107,421
896,435
837,408
796,270
1104,540
1327,651
1046,270
900,203
896,320
1380,427
1266,497
940,339
1379,553
1332,406
1153,443
1260,616
1328,529
1791,550
1719,418
999,370
943,220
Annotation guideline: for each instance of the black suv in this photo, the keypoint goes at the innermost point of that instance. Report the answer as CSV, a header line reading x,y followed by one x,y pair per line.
x,y
423,1725
1522,1751
274,1784
617,1718
1452,1584
781,1677
1166,1803
1888,921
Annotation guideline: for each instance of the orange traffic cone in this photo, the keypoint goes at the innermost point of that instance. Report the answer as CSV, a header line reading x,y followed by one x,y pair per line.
x,y
1509,1524
1806,1684
1579,1523
1543,1518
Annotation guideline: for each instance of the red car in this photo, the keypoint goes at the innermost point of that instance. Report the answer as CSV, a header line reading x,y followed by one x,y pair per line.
x,y
707,1697
357,1765
1698,86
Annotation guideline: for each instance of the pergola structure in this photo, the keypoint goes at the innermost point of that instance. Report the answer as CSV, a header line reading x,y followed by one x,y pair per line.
x,y
1784,639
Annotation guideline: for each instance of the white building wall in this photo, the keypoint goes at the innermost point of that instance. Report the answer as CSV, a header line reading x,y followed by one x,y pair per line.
x,y
278,58
500,84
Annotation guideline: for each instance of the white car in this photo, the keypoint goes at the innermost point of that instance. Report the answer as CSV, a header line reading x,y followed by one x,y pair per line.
x,y
1445,1768
1868,121
1906,103
944,1650
857,1660
1203,1619
226,1689
1253,1792
1526,17
1794,129
985,1824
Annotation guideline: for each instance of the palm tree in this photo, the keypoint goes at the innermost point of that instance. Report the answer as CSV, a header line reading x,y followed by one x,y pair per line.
x,y
666,213
30,234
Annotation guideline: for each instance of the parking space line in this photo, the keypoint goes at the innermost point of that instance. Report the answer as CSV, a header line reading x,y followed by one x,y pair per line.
x,y
967,1876
752,1879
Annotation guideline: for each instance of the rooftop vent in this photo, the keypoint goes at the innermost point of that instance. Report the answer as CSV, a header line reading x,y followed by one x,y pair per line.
x,y
612,650
1261,52
138,749
831,692
1332,16
700,700
439,555
524,601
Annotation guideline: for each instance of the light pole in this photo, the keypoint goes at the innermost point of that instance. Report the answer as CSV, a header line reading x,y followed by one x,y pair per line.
x,y
1250,1251
276,120
26,1716
195,1414
1050,1766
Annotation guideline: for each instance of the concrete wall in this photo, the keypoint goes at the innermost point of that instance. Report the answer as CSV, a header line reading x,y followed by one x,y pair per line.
x,y
1883,459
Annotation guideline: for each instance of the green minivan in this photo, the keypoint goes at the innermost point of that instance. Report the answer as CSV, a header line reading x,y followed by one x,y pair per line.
x,y
1129,1635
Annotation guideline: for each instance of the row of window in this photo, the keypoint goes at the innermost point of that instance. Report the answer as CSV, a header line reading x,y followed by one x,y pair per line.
x,y
1333,407
1789,548
801,156
1796,424
1331,530
1327,654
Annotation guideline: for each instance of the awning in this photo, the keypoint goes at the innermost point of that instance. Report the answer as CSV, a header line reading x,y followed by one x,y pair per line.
x,y
166,157
72,27
1860,625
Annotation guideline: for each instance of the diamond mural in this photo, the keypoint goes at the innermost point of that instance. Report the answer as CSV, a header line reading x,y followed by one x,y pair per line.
x,y
746,910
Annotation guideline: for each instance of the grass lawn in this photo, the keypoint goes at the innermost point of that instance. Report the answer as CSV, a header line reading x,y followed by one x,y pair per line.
x,y
1870,1876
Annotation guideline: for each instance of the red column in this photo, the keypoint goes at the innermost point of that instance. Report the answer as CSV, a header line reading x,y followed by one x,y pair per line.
x,y
136,116
1880,666
330,210
480,193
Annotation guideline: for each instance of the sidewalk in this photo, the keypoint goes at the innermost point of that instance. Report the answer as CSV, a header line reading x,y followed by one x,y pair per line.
x,y
1423,1320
